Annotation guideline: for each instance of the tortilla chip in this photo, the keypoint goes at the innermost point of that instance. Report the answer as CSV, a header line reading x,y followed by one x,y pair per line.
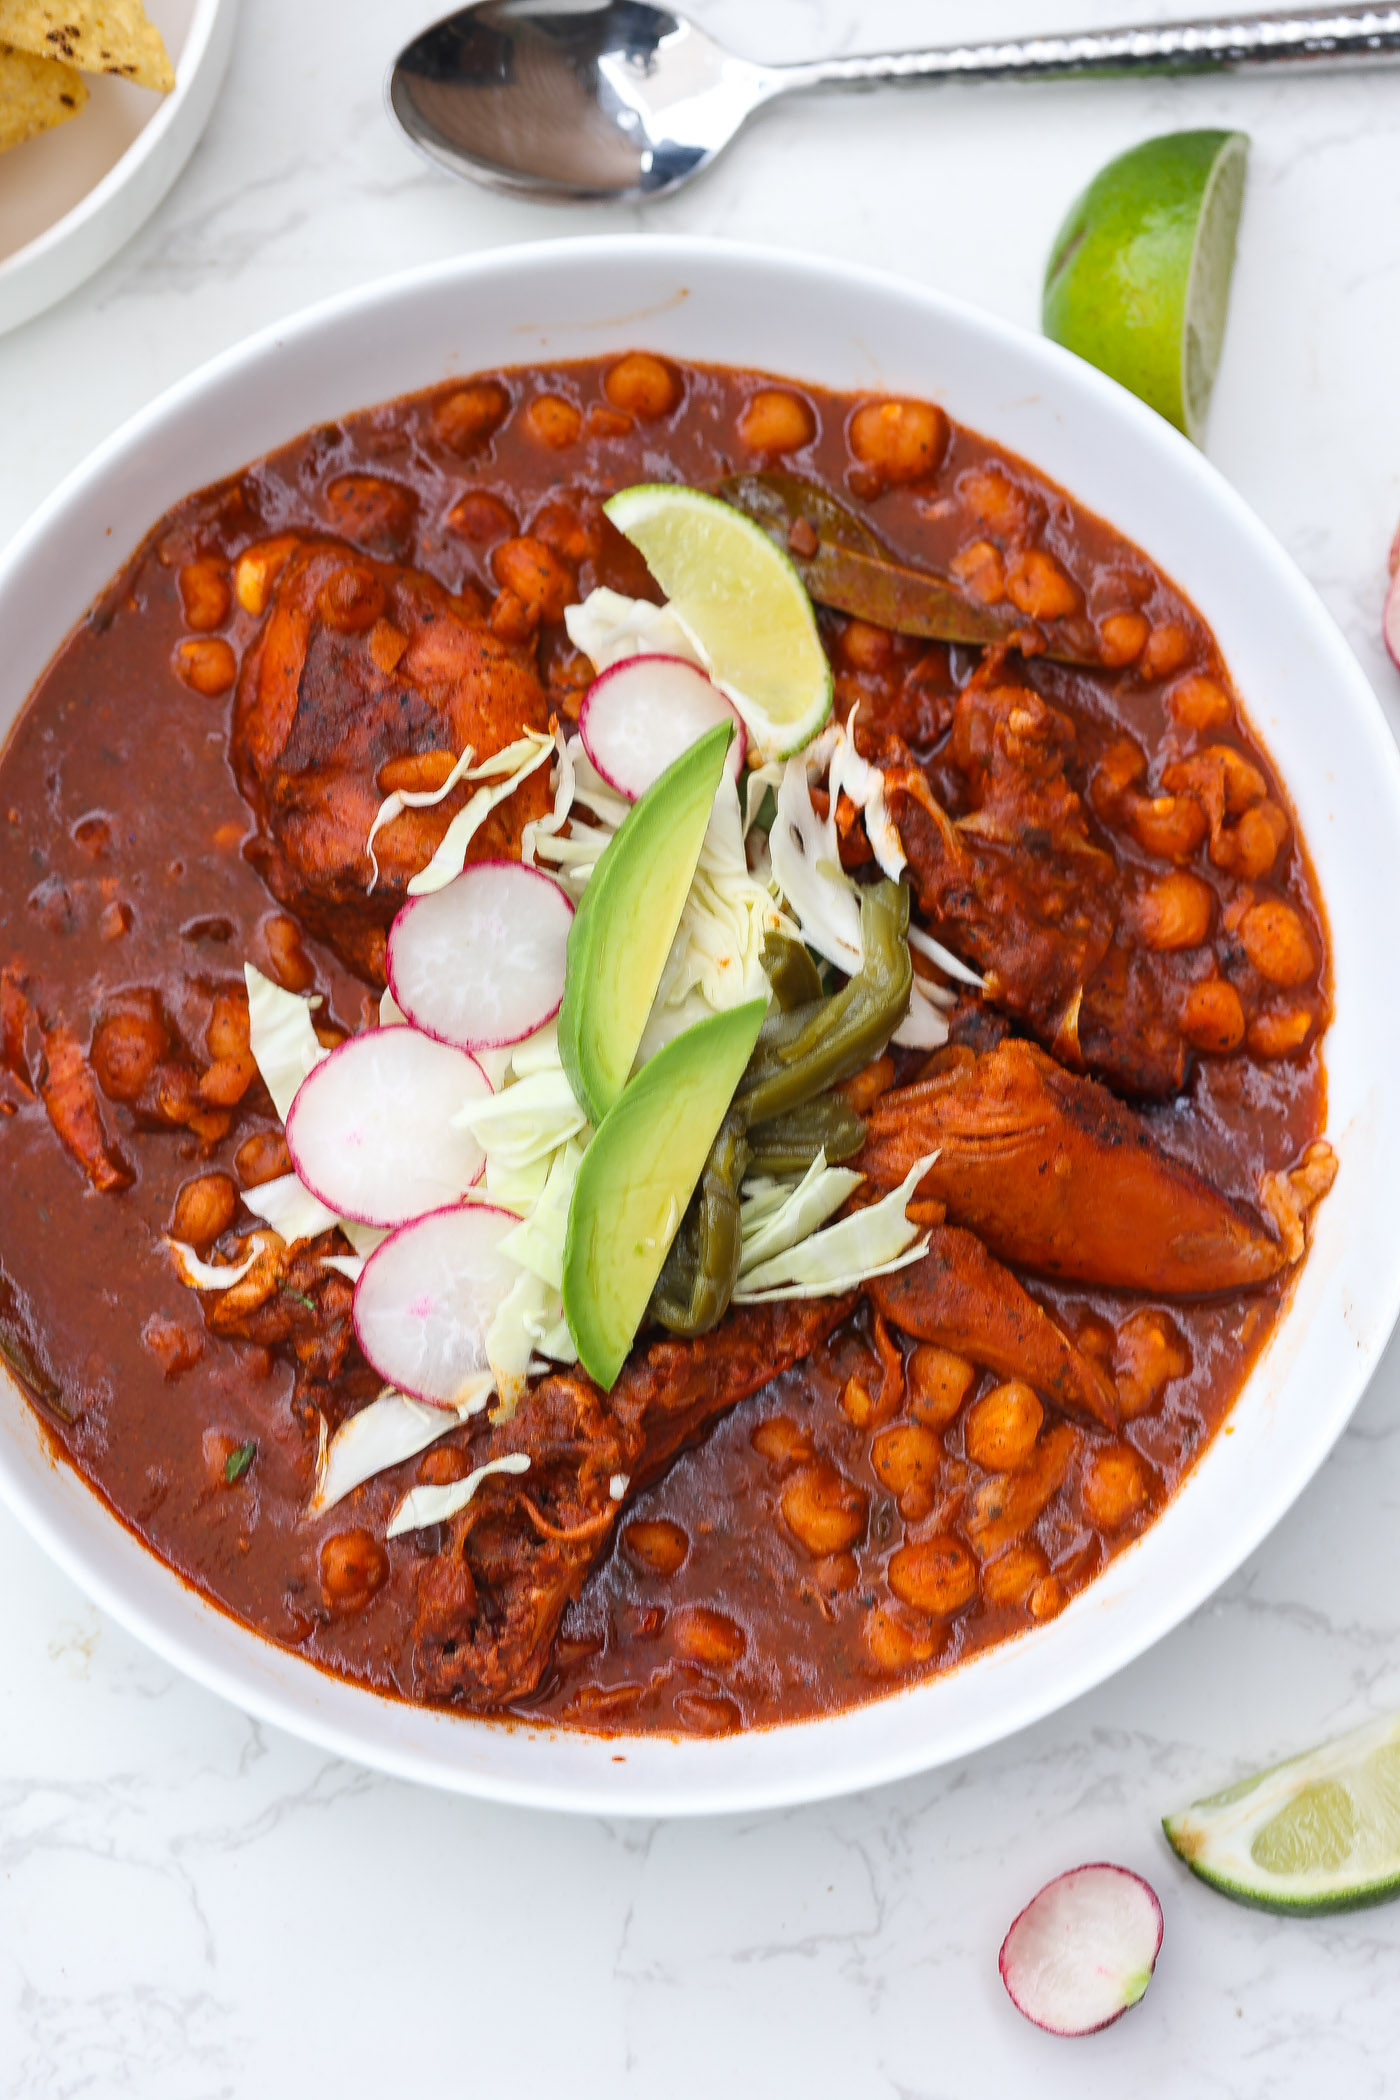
x,y
97,36
35,94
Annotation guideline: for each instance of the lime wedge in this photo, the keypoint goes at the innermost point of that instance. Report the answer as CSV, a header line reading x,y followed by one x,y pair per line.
x,y
1321,1832
743,605
1139,277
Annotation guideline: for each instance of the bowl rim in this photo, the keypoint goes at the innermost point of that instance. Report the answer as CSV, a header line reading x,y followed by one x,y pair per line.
x,y
736,1773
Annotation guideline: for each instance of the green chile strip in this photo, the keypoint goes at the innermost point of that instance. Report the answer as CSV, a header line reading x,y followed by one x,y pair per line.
x,y
811,1047
697,1279
788,1144
784,1113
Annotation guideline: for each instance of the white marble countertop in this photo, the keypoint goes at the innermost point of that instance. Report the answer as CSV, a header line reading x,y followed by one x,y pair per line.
x,y
195,1906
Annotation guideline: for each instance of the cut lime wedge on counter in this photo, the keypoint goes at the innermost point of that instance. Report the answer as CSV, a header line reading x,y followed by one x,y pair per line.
x,y
742,603
1321,1832
1138,281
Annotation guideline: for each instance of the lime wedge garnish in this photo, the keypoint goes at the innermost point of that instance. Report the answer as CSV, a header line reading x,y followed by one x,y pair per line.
x,y
743,605
1321,1832
1139,277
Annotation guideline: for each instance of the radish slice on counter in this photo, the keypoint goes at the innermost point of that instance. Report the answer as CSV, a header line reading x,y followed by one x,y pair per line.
x,y
427,1298
639,716
371,1129
480,962
1083,1950
1390,619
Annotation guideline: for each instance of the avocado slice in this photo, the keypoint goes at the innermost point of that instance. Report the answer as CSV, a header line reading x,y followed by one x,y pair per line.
x,y
623,929
637,1177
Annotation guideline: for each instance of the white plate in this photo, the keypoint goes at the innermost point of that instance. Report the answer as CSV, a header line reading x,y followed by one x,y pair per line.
x,y
845,328
72,196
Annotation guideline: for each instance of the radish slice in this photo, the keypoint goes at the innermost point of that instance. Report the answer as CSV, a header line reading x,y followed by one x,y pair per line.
x,y
371,1130
1083,1950
427,1298
480,963
1390,622
643,713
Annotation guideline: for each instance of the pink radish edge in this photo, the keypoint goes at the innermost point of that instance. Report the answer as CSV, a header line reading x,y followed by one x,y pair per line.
x,y
427,1014
384,1255
307,1159
1390,619
1083,1950
618,720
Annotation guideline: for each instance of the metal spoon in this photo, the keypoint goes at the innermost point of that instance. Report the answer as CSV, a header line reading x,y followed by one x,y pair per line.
x,y
615,98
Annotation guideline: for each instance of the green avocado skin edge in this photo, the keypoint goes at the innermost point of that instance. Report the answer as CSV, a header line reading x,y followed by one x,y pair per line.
x,y
624,927
637,1177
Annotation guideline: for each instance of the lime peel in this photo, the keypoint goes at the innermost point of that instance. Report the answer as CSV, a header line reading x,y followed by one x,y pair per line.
x,y
1319,1832
1138,281
740,601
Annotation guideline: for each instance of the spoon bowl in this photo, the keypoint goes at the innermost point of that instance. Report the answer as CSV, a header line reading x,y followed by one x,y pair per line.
x,y
619,100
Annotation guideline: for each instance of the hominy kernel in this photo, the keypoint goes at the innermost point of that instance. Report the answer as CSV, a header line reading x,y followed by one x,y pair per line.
x,y
553,421
353,1567
1122,638
773,420
1278,1033
471,414
1276,942
900,440
939,1382
657,1543
205,594
207,664
643,386
823,1510
1001,1428
1039,587
1200,703
1174,912
1212,1018
935,1576
1115,1487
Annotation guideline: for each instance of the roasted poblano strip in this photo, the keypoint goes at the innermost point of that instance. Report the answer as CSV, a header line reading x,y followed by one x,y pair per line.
x,y
785,1113
693,1290
802,1052
790,970
789,1143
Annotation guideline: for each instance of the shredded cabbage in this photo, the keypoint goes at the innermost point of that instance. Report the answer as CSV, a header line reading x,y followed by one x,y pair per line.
x,y
923,1027
533,1133
289,1207
716,958
434,1505
516,762
609,627
870,1242
520,1129
947,962
364,1238
281,1037
391,1429
216,1276
834,753
778,1215
806,856
507,768
563,785
350,1266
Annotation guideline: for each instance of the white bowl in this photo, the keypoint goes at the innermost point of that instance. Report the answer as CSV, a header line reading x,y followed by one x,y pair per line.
x,y
71,197
845,328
